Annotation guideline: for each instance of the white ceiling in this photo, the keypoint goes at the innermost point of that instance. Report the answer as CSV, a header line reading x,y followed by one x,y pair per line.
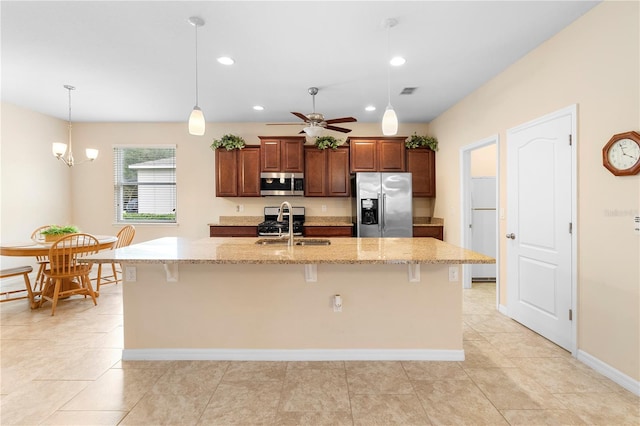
x,y
135,61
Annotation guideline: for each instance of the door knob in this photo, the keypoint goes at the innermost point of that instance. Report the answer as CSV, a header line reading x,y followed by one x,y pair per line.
x,y
511,236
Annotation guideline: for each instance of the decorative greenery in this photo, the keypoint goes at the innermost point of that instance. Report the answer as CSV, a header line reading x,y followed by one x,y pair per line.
x,y
60,230
228,142
324,142
415,141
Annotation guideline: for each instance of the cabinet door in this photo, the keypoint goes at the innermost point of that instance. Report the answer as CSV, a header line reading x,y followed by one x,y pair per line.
x,y
338,179
421,162
249,172
315,166
364,155
270,155
292,156
391,156
226,173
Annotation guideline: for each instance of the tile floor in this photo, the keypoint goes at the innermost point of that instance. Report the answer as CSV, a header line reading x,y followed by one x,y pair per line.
x,y
66,370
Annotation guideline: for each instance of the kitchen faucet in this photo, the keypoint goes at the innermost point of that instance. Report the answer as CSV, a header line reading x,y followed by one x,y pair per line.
x,y
280,218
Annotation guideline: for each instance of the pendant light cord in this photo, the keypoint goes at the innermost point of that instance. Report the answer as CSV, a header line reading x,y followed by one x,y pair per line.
x,y
196,26
388,65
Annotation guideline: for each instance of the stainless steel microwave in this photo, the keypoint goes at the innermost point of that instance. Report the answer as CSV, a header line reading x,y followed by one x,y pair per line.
x,y
288,184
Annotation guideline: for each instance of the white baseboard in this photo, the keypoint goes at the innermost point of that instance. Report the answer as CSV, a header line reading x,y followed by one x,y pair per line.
x,y
503,310
292,355
605,369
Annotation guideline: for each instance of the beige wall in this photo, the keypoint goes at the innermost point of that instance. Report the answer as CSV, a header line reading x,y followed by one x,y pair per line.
x,y
50,192
35,187
593,63
483,161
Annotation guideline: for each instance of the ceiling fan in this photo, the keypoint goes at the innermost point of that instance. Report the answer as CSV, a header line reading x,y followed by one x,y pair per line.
x,y
316,122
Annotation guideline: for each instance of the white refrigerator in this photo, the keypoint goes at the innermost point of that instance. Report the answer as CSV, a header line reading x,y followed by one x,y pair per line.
x,y
483,225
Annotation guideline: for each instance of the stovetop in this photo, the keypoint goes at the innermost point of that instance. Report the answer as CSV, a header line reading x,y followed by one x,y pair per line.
x,y
271,227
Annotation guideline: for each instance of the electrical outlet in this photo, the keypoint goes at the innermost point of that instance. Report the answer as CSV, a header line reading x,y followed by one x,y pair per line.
x,y
130,273
453,274
337,303
324,208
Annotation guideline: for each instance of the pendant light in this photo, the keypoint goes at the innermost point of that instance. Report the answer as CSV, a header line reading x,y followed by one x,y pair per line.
x,y
196,119
60,148
389,119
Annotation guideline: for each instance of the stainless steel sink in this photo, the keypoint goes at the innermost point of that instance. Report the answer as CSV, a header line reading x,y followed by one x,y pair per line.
x,y
312,242
271,242
296,241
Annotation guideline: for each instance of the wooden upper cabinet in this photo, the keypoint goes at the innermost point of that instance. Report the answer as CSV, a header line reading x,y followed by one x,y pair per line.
x,y
338,177
326,172
391,157
249,172
238,172
421,162
315,170
377,154
282,154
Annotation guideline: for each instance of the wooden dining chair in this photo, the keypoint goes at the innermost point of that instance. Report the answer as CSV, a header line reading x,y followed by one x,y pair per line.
x,y
125,237
43,261
67,274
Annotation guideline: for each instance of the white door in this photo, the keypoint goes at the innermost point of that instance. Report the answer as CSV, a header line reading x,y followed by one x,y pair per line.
x,y
483,225
539,242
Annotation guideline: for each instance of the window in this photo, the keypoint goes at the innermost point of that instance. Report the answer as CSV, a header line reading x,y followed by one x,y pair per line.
x,y
145,184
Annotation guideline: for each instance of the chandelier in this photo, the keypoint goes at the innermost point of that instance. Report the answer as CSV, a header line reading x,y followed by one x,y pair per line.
x,y
60,148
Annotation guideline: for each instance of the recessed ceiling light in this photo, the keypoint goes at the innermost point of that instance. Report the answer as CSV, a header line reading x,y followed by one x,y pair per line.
x,y
258,107
370,108
225,60
397,61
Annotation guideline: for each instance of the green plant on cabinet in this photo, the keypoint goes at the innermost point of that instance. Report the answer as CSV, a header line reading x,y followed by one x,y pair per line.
x,y
228,142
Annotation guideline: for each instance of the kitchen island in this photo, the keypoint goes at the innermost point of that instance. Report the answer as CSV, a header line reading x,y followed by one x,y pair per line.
x,y
230,298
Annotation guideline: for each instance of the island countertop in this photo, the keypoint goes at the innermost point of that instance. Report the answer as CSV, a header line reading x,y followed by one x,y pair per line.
x,y
340,251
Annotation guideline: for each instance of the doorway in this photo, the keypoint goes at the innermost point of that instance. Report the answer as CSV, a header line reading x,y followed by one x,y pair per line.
x,y
480,160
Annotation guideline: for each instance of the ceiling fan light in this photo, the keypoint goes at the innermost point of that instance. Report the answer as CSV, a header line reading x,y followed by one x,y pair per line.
x,y
313,131
389,122
196,122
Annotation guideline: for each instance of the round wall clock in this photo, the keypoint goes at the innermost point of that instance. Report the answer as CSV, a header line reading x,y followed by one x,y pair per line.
x,y
621,155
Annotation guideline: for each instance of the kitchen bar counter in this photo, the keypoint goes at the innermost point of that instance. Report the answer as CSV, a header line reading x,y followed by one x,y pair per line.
x,y
341,251
230,299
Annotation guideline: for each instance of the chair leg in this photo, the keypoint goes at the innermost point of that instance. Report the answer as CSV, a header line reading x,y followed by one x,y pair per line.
x,y
115,272
98,278
56,293
86,282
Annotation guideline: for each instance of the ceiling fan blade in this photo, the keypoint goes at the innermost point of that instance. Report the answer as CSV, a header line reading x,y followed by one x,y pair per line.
x,y
338,129
300,116
341,120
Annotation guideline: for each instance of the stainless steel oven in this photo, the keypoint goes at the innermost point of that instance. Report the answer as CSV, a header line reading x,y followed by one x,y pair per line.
x,y
287,184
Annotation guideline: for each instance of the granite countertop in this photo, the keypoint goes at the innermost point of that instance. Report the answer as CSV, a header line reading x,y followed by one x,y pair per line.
x,y
328,221
428,221
245,251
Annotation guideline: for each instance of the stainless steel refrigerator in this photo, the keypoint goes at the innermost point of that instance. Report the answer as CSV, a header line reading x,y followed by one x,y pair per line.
x,y
383,204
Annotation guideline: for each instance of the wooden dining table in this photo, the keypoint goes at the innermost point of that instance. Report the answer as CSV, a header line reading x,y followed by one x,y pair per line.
x,y
32,248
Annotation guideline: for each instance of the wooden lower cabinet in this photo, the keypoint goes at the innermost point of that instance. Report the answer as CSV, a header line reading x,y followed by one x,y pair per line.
x,y
233,231
429,231
238,172
328,231
421,162
326,172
